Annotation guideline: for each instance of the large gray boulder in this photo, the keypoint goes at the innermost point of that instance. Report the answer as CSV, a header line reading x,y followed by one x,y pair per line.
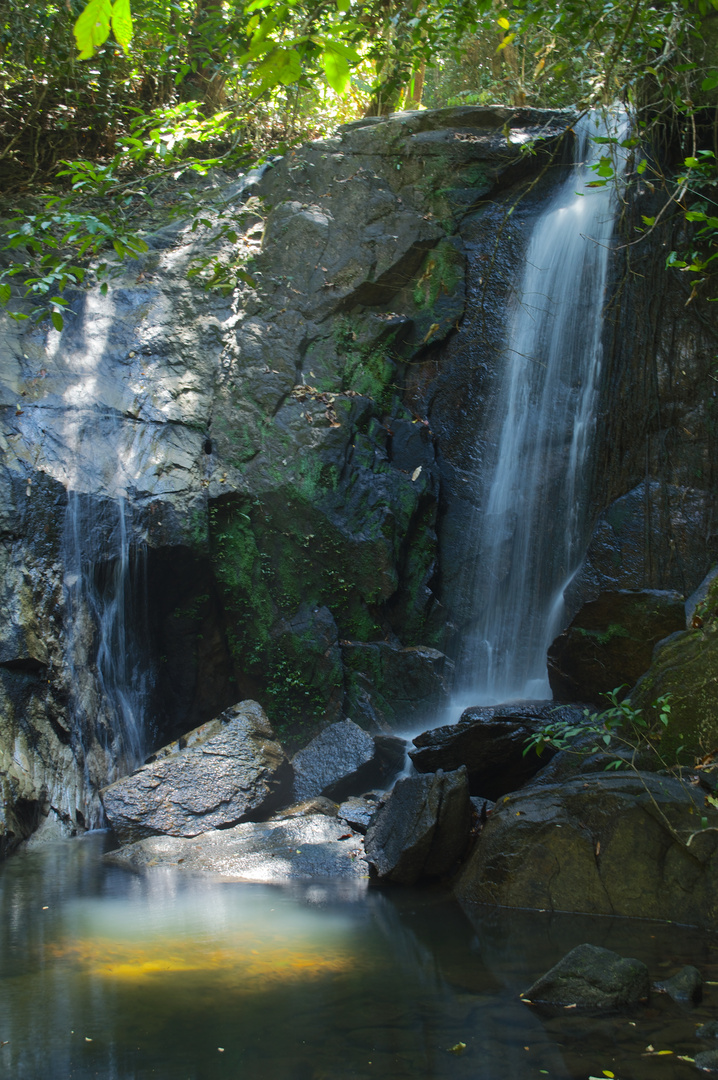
x,y
422,829
297,847
345,760
227,771
594,978
605,844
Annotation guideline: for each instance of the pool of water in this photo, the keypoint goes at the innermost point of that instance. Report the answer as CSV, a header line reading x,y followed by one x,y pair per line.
x,y
105,974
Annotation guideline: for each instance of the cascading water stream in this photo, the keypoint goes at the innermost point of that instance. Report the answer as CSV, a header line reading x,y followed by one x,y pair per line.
x,y
106,604
529,535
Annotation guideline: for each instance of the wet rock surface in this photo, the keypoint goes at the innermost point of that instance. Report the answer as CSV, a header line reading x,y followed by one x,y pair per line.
x,y
283,493
685,987
291,462
279,850
628,845
226,771
490,741
610,643
345,760
592,978
422,829
357,812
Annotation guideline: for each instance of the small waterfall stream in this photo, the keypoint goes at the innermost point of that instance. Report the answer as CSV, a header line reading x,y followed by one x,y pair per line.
x,y
529,531
107,617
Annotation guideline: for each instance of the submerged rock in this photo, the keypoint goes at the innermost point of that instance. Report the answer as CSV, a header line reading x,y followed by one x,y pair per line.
x,y
592,978
707,1061
491,742
685,987
279,850
602,844
708,1031
610,642
226,771
422,829
345,760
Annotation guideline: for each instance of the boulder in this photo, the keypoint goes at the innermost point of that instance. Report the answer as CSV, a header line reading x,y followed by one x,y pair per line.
x,y
604,844
302,847
491,742
685,987
685,667
422,829
708,1031
610,642
390,686
592,978
707,1061
345,760
358,811
229,770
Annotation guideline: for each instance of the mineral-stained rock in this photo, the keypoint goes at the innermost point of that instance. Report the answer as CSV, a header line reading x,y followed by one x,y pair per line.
x,y
610,642
594,978
685,987
422,829
278,850
345,760
226,771
602,844
490,741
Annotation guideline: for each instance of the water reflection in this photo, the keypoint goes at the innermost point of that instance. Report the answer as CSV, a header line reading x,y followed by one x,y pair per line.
x,y
104,974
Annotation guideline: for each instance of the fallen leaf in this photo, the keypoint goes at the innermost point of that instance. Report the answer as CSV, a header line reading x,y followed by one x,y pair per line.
x,y
458,1048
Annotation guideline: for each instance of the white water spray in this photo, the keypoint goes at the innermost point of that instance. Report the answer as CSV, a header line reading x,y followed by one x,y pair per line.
x,y
529,533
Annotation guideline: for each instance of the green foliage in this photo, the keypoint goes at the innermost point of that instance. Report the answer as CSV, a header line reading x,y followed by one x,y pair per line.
x,y
58,243
621,726
615,630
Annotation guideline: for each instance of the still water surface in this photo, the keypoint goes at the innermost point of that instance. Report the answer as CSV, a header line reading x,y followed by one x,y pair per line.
x,y
104,974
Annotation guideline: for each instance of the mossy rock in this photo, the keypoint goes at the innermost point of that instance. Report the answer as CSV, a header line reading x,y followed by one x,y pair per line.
x,y
610,643
685,667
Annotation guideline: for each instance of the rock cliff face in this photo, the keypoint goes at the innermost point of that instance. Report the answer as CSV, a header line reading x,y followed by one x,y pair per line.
x,y
206,498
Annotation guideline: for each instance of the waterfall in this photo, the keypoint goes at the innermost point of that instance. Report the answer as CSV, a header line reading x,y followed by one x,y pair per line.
x,y
105,582
529,532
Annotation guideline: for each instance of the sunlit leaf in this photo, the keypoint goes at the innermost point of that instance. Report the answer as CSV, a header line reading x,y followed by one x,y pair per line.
x,y
336,70
122,23
92,28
